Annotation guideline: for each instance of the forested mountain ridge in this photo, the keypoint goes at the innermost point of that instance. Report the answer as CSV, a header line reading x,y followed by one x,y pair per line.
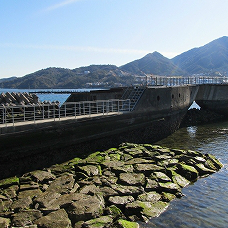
x,y
207,59
210,59
153,63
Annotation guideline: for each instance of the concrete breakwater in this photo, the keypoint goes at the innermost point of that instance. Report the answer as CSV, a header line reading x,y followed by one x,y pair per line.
x,y
114,188
196,117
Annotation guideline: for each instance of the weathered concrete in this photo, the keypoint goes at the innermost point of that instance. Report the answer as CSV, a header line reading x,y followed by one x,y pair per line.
x,y
213,97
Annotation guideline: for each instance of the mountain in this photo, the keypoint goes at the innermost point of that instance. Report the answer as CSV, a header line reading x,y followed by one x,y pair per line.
x,y
209,58
153,63
91,76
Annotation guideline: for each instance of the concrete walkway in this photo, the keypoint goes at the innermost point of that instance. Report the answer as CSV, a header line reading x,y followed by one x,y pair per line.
x,y
7,128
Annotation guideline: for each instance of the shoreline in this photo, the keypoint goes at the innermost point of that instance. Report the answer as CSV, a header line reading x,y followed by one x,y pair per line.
x,y
114,188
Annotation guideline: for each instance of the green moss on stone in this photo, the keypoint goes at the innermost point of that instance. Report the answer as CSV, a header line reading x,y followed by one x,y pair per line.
x,y
9,181
115,156
74,161
111,150
100,222
115,211
189,172
215,161
167,197
95,158
126,224
153,209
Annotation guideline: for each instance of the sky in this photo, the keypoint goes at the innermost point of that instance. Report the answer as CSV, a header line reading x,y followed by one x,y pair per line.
x,y
37,34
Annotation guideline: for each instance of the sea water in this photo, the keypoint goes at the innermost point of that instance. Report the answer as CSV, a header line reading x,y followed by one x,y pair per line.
x,y
205,203
47,96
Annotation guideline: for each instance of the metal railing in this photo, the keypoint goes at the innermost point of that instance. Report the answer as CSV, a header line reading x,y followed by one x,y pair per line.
x,y
178,80
53,112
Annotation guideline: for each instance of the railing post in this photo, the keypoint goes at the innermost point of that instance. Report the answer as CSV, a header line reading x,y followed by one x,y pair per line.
x,y
43,111
107,107
59,111
65,110
75,112
24,112
54,111
13,116
34,114
3,115
89,110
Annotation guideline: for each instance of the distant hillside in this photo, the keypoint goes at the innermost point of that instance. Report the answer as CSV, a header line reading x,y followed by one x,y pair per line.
x,y
83,77
211,57
153,63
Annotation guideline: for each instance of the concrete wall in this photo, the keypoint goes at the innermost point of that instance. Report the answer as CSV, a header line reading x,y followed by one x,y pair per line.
x,y
212,92
167,99
213,97
114,93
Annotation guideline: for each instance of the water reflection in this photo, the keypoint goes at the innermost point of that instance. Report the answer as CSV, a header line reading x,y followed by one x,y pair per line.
x,y
205,202
192,131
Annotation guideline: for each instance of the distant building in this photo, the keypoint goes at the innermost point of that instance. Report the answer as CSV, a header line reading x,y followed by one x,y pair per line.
x,y
86,72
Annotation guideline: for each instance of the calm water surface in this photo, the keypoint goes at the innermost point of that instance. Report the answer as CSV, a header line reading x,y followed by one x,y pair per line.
x,y
205,203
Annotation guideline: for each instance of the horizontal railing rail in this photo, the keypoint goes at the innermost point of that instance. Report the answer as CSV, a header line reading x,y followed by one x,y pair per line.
x,y
178,80
12,114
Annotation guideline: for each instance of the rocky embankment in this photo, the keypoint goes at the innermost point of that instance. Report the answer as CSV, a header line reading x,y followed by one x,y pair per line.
x,y
114,188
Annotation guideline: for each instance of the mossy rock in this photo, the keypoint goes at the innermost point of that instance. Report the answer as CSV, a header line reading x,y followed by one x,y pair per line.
x,y
62,168
178,151
112,150
162,177
215,162
170,187
152,147
89,170
114,211
178,179
167,197
94,158
187,171
121,223
8,182
4,222
103,221
74,161
115,156
203,170
149,197
148,209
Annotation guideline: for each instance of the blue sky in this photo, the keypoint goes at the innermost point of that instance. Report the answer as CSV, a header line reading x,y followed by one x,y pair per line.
x,y
36,34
